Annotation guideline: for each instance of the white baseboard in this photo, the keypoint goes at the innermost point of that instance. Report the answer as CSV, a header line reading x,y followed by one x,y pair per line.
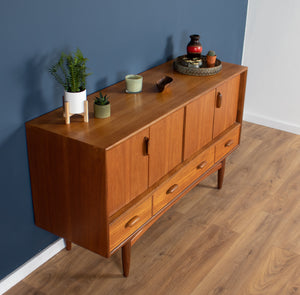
x,y
24,270
270,122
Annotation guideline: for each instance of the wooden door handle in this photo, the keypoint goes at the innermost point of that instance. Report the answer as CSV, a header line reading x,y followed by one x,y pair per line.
x,y
219,100
202,165
132,221
229,143
172,189
146,145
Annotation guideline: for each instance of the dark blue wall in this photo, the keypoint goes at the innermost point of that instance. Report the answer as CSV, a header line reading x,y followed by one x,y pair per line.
x,y
118,37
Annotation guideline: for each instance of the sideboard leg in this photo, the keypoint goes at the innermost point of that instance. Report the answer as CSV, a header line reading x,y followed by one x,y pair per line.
x,y
221,173
68,245
126,250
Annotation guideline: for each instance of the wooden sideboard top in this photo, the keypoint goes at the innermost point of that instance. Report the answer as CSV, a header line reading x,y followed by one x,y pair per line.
x,y
131,113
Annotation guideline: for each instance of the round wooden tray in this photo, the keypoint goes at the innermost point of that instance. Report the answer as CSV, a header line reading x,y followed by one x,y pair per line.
x,y
204,70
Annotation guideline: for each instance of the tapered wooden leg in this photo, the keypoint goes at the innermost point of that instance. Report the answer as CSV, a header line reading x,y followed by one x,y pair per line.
x,y
86,111
67,112
126,250
221,173
68,245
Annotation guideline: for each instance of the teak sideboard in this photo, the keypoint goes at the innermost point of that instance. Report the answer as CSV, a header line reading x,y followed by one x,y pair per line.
x,y
102,184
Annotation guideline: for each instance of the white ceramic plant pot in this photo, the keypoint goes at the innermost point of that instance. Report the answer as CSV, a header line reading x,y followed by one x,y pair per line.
x,y
76,101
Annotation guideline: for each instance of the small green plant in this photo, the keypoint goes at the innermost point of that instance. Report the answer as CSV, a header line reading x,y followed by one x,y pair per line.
x,y
70,71
211,53
102,100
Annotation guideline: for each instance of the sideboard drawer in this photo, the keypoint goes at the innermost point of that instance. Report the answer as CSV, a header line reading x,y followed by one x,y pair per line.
x,y
182,179
126,224
227,143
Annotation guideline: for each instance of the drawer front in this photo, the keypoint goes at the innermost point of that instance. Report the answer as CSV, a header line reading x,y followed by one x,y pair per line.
x,y
126,224
227,143
182,179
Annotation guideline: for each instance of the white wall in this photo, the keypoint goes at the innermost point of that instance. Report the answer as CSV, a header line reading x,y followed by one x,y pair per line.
x,y
272,53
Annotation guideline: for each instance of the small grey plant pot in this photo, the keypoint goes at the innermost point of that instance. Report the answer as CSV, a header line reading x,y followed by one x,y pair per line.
x,y
102,111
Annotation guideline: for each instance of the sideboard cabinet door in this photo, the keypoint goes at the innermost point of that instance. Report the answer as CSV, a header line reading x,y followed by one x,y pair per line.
x,y
126,171
165,145
199,123
226,99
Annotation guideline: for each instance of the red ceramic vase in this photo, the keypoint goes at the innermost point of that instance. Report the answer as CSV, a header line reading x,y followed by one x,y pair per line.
x,y
194,48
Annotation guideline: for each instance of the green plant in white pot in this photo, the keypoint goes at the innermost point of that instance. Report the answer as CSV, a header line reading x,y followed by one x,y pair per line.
x,y
71,72
102,106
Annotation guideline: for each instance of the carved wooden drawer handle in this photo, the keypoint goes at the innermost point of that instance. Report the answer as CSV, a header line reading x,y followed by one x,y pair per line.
x,y
172,189
146,145
219,99
132,221
202,165
229,143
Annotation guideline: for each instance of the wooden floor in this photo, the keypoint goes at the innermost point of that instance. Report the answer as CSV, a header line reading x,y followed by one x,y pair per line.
x,y
243,239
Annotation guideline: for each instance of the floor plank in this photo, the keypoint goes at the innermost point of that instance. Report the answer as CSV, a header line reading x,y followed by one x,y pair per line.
x,y
203,253
231,272
277,273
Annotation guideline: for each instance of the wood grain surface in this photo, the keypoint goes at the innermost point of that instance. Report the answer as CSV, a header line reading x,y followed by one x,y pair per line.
x,y
121,228
243,239
199,123
127,171
64,175
165,145
132,112
226,113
